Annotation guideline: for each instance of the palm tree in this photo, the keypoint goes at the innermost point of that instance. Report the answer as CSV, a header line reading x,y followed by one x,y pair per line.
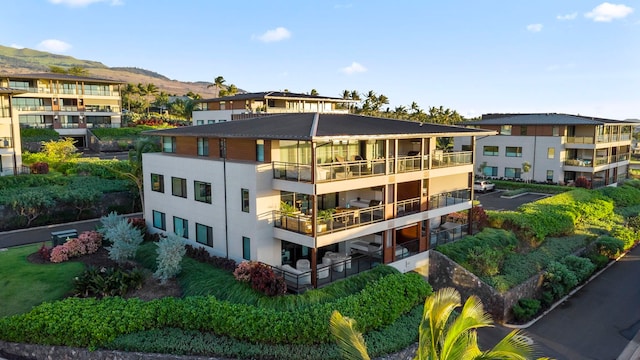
x,y
314,92
400,112
229,91
148,91
441,336
217,83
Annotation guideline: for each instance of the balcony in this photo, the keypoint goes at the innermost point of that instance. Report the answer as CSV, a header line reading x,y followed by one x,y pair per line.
x,y
338,219
343,170
408,207
449,198
579,140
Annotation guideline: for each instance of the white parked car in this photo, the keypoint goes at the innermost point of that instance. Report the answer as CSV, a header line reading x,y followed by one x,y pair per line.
x,y
483,186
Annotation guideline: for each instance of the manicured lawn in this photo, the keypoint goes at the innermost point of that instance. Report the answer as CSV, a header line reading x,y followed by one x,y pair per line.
x,y
24,284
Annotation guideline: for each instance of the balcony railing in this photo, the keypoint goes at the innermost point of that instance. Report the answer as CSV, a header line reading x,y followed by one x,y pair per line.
x,y
579,162
451,159
34,108
449,198
407,207
443,236
579,140
336,171
342,219
5,111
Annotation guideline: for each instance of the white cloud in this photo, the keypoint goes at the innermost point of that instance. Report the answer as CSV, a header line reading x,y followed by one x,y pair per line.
x,y
16,46
567,16
82,3
277,34
606,12
534,27
53,45
354,68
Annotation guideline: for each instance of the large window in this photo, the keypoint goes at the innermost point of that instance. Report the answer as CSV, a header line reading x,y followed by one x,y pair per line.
x,y
204,234
246,248
203,147
505,130
490,151
159,220
551,153
555,131
259,150
202,191
169,144
179,187
523,130
490,171
245,200
181,227
157,182
512,173
513,151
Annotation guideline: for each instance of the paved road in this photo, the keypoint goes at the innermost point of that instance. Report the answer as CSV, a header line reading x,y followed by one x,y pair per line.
x,y
493,200
43,233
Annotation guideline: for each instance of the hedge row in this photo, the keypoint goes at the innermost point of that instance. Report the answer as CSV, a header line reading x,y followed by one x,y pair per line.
x,y
92,323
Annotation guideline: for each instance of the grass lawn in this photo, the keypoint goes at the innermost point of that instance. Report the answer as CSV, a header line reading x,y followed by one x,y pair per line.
x,y
24,285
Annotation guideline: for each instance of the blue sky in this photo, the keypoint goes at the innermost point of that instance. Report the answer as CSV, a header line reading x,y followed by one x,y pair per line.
x,y
570,56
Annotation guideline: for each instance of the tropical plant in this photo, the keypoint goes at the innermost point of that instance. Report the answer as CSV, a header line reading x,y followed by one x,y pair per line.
x,y
217,83
125,240
442,334
526,167
170,251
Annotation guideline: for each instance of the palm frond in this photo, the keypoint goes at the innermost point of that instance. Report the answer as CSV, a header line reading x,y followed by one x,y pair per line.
x,y
350,341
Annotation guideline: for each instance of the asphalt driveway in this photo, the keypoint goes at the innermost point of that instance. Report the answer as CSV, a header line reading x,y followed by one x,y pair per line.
x,y
493,201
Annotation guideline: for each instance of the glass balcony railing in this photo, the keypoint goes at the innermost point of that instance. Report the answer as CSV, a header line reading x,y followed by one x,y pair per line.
x,y
6,142
579,140
441,160
407,207
342,170
449,198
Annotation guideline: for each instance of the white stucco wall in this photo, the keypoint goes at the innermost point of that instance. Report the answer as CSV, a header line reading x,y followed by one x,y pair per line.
x,y
227,233
215,115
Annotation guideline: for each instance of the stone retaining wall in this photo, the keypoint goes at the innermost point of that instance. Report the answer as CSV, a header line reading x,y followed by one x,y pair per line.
x,y
443,272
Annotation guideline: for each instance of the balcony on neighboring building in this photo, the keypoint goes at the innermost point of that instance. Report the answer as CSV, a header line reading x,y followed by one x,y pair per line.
x,y
6,142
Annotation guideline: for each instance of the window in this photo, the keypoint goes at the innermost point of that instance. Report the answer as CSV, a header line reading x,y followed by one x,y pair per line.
x,y
211,121
550,175
203,147
466,148
551,153
169,144
523,130
259,150
246,248
490,171
490,151
513,151
505,130
204,234
179,187
157,182
555,131
199,122
202,191
245,200
513,173
181,227
159,220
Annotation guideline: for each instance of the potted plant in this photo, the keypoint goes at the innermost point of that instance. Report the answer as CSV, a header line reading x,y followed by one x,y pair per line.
x,y
326,216
287,209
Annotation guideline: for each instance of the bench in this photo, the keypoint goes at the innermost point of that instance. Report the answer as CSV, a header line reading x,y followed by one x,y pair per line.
x,y
60,237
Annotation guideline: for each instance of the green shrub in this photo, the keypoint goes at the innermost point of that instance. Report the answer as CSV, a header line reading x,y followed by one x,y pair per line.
x,y
525,309
485,261
626,195
87,322
626,234
558,279
609,246
103,282
488,238
581,267
38,135
539,188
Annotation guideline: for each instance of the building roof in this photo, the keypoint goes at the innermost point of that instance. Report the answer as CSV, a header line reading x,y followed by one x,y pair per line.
x,y
318,126
56,76
273,95
544,119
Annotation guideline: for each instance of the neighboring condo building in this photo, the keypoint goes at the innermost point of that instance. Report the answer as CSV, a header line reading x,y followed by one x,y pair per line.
x,y
560,148
68,104
250,105
310,194
10,146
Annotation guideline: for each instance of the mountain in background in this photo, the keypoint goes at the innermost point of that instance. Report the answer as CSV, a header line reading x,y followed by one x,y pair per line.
x,y
28,61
